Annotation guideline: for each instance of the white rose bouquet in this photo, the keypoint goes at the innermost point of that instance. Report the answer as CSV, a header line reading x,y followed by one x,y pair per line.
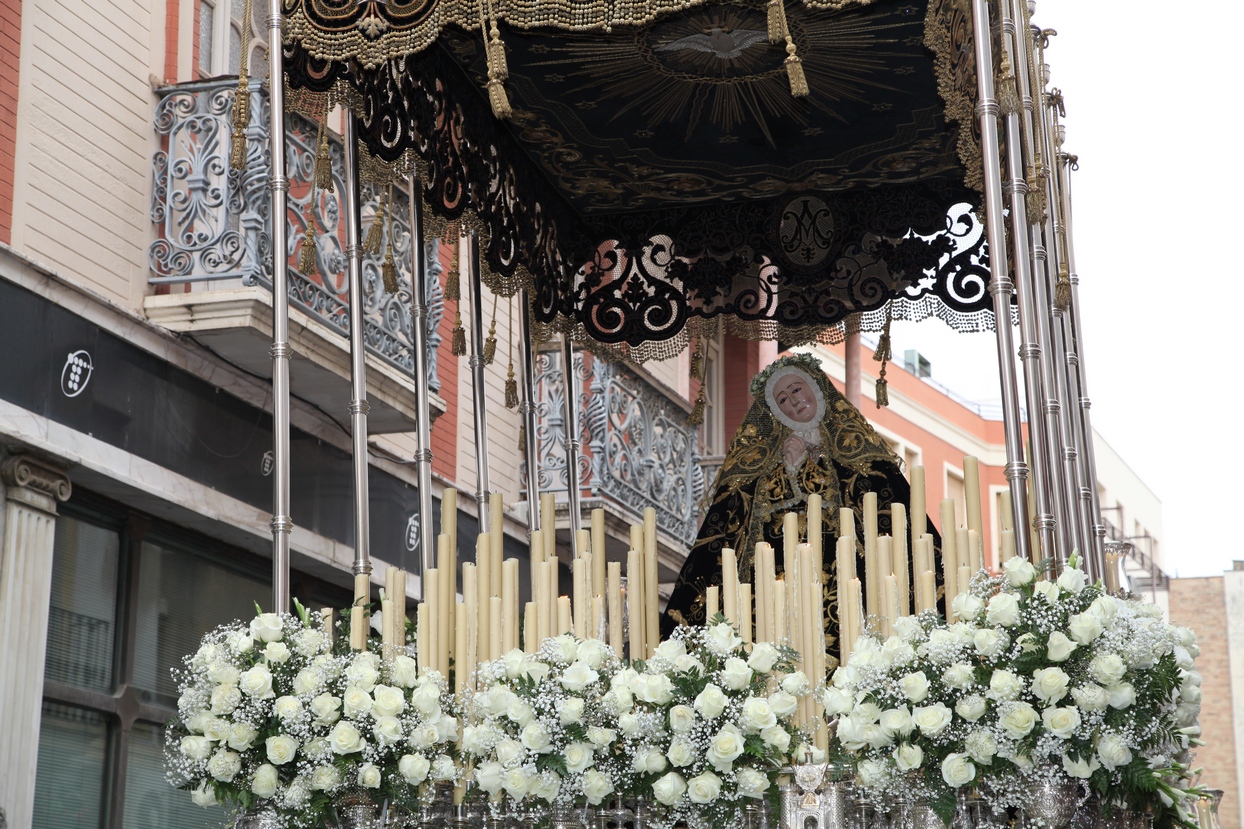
x,y
245,730
1037,681
706,725
537,731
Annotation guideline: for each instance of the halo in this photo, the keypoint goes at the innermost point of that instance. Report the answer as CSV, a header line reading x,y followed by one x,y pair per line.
x,y
782,417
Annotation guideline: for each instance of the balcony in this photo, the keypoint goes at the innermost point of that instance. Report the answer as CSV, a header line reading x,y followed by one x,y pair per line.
x,y
211,264
638,451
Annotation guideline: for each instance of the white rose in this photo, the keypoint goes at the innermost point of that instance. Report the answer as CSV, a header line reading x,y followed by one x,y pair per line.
x,y
1091,697
546,786
648,760
276,653
688,663
971,707
629,724
751,783
957,675
897,722
1061,722
224,765
981,746
345,739
578,676
681,718
389,701
1123,695
711,702
796,683
1072,580
764,657
1003,610
1004,685
1050,684
325,778
601,737
519,712
426,699
619,700
509,750
369,776
535,737
267,627
810,753
362,671
721,639
776,737
217,730
517,783
281,749
591,652
306,681
287,708
1059,647
204,795
596,787
1019,571
578,757
512,661
908,757
669,789
1047,590
1080,769
357,702
571,711
908,628
756,714
198,721
845,676
656,690
388,730
783,703
222,673
932,719
426,736
915,686
405,671
264,781
1085,627
535,670
1018,720
1113,751
898,651
1105,608
957,770
871,773
257,683
837,701
671,649
736,675
681,752
565,647
490,777
725,747
327,709
225,698
443,768
309,642
989,643
241,642
413,768
966,606
704,788
1107,668
196,748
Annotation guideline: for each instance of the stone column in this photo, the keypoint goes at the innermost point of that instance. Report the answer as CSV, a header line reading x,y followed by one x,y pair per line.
x,y
33,486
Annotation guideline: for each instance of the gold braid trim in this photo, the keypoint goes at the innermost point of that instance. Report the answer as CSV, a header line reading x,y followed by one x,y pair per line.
x,y
388,270
242,97
883,355
511,385
957,88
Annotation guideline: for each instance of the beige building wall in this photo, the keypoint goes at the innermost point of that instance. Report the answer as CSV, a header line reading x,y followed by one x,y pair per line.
x,y
1119,486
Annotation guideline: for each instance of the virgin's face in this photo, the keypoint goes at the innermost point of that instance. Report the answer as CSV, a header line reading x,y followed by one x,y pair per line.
x,y
793,396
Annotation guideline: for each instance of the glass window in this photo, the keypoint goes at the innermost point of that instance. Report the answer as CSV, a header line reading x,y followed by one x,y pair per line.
x,y
207,39
83,615
181,596
150,802
69,780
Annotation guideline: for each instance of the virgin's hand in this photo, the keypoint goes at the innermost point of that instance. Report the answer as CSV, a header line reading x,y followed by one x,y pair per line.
x,y
794,450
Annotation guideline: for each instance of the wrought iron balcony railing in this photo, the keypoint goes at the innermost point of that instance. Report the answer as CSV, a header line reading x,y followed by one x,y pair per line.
x,y
213,227
638,449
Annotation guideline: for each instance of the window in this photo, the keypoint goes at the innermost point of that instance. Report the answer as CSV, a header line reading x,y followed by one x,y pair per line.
x,y
712,434
130,597
220,36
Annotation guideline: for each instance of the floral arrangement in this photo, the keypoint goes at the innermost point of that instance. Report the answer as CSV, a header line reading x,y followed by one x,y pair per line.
x,y
537,731
705,725
1037,682
269,715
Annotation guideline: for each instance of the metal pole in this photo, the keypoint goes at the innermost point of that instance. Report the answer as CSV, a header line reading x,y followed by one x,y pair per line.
x,y
358,353
572,441
423,409
278,187
1038,294
528,411
1000,285
479,393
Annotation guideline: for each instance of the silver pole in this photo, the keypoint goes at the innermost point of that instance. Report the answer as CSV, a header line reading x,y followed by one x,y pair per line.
x,y
528,411
423,409
278,186
1000,285
572,441
1088,457
1036,293
479,393
358,353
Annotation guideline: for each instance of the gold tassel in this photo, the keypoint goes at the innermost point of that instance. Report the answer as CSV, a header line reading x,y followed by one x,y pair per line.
x,y
882,355
522,434
306,256
498,67
883,393
1062,289
323,162
242,98
794,70
458,345
697,411
453,283
1036,194
511,391
499,100
490,344
388,272
777,22
697,363
1007,91
375,233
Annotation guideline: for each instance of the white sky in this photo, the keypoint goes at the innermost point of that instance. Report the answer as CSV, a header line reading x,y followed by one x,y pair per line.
x,y
1153,112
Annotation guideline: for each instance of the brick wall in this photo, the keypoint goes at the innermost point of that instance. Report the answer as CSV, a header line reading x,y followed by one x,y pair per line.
x,y
1201,605
10,56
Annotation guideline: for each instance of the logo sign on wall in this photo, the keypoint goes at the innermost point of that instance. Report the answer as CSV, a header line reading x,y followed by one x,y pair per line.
x,y
265,463
412,533
76,373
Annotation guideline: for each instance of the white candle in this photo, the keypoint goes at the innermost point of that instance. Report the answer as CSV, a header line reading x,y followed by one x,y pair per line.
x,y
531,627
730,585
598,552
1008,547
652,620
634,603
898,521
872,574
972,491
745,612
615,606
509,605
919,507
496,535
815,530
711,603
548,525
